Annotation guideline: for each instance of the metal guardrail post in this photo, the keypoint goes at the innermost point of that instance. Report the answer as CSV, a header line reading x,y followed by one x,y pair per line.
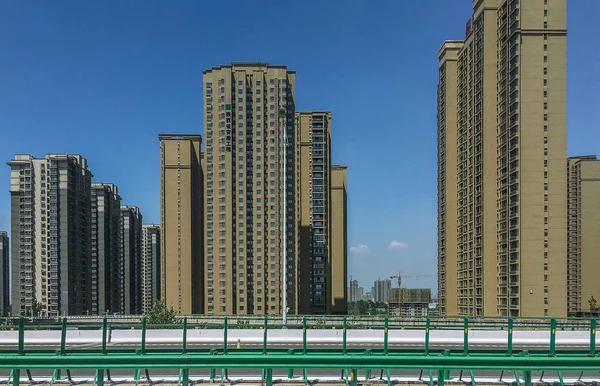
x,y
265,328
224,371
526,373
509,343
104,333
552,337
593,337
264,345
466,336
290,373
184,337
344,337
427,325
184,371
304,370
385,335
368,369
63,337
444,373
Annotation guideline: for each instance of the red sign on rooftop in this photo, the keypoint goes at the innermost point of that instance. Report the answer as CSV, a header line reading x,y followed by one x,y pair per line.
x,y
469,28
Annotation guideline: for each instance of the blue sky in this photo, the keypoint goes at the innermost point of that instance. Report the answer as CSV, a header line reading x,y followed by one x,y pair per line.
x,y
103,78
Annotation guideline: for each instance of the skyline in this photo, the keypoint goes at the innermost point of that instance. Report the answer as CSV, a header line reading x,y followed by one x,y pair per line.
x,y
140,109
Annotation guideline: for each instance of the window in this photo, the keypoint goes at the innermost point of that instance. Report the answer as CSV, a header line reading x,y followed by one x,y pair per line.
x,y
545,24
545,12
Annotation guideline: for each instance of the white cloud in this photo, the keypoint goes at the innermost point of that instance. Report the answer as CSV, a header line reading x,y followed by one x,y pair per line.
x,y
397,245
359,249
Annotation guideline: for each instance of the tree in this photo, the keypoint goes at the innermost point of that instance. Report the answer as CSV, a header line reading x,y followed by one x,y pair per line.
x,y
593,304
160,314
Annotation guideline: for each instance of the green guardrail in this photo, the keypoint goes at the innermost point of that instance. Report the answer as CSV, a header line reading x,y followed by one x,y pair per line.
x,y
437,363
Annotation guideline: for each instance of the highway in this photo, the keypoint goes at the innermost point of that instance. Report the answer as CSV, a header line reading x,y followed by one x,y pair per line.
x,y
278,339
316,339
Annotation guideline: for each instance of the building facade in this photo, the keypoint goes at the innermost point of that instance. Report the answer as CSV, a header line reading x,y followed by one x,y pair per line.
x,y
51,243
338,212
131,260
181,223
381,288
313,148
249,130
502,122
583,232
106,249
4,274
150,265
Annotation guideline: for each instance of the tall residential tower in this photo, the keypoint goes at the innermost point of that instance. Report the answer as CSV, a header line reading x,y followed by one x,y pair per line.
x,y
502,123
51,235
106,249
181,223
583,226
249,130
131,260
4,274
150,265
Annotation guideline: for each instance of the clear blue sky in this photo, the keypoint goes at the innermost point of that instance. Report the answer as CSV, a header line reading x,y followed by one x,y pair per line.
x,y
103,78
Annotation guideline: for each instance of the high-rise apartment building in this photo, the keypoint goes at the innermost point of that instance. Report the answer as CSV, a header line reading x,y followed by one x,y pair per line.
x,y
131,260
381,288
181,223
249,130
502,123
150,265
338,213
51,235
313,129
4,274
354,294
106,249
583,232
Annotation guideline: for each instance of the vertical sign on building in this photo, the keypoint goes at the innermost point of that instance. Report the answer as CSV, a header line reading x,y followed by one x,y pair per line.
x,y
228,127
469,27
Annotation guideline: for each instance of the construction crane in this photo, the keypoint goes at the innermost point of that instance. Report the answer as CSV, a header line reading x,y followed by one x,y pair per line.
x,y
399,276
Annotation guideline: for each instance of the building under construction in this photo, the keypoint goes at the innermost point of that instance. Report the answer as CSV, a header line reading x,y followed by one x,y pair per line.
x,y
409,301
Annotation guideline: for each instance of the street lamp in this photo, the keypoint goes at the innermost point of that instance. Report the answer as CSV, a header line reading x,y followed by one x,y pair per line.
x,y
282,115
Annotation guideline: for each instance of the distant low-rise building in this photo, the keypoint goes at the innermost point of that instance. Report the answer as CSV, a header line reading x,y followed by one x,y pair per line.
x,y
409,301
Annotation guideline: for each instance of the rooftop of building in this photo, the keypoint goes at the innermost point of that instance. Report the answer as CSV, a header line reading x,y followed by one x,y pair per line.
x,y
262,65
448,45
175,137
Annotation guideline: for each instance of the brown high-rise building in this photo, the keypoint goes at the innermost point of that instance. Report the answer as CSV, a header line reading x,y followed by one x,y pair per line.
x,y
247,109
583,197
338,301
321,188
181,221
502,123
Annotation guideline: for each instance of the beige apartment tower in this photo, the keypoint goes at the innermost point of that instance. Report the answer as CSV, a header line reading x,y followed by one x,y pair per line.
x,y
322,215
583,197
249,131
181,237
502,124
338,300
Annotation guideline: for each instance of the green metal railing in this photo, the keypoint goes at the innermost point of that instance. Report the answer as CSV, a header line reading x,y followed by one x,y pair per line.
x,y
437,363
295,322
